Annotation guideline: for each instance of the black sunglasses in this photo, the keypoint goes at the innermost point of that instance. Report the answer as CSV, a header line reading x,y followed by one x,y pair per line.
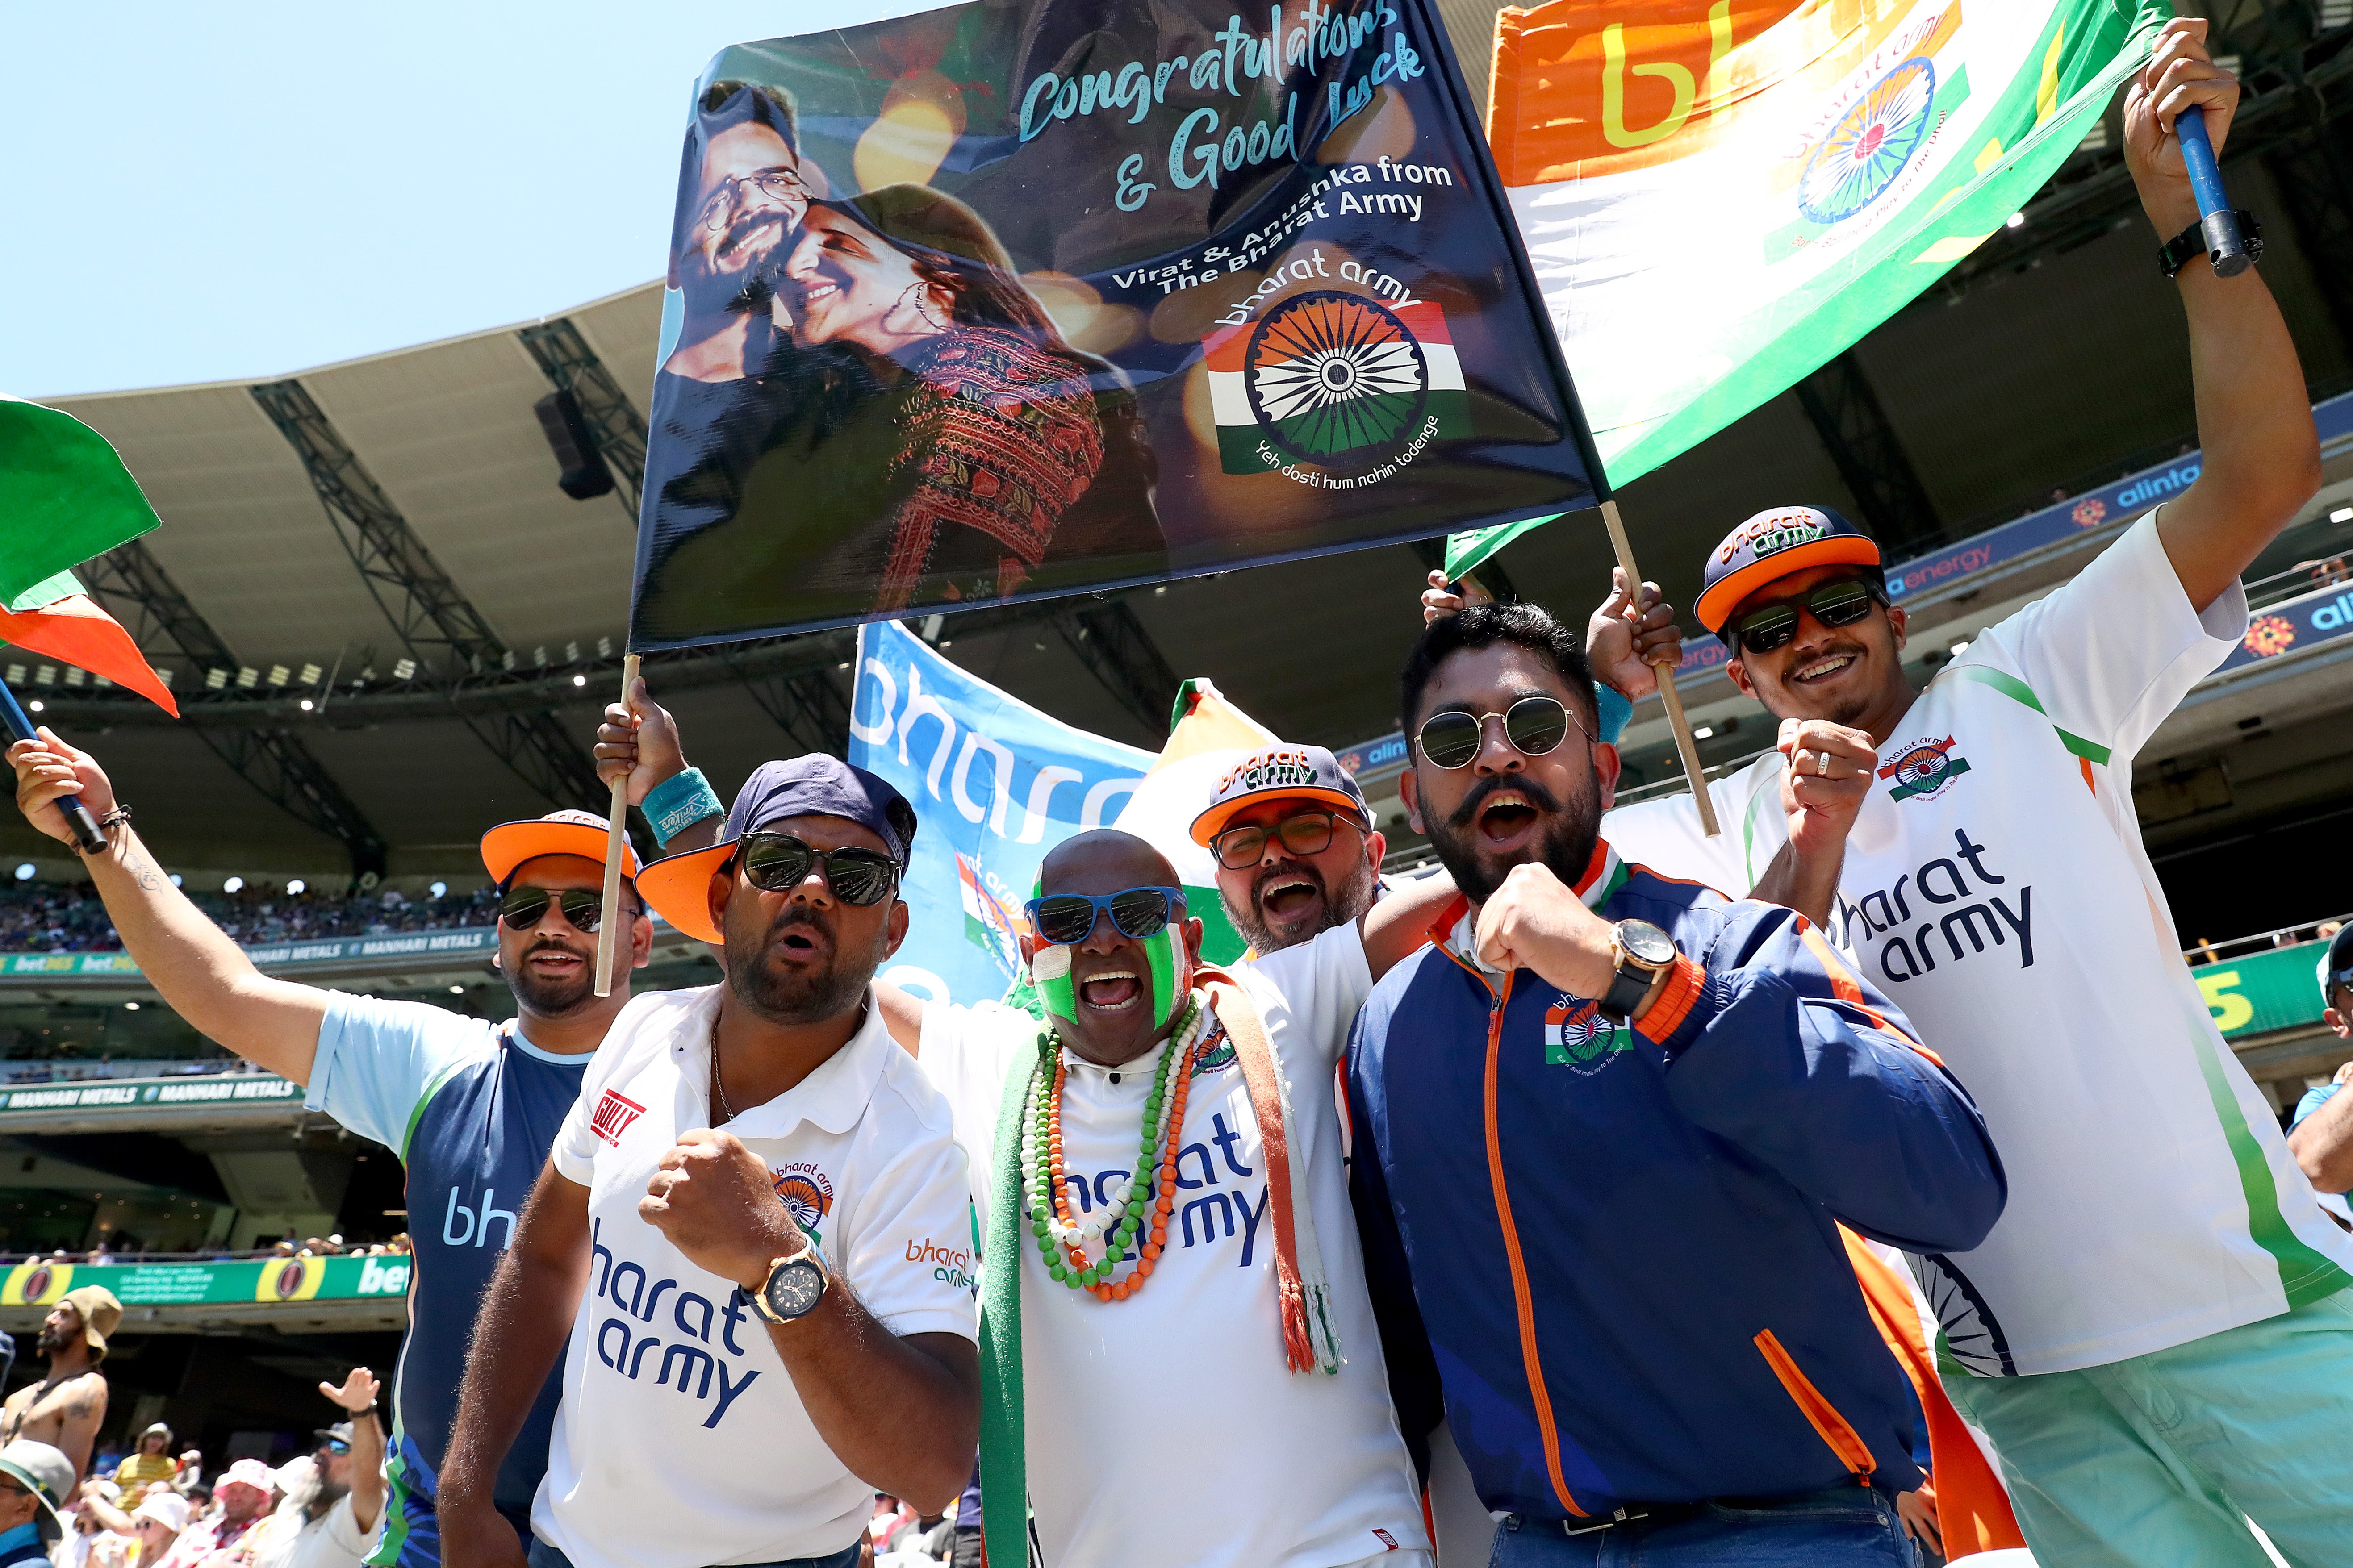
x,y
1534,724
523,908
775,861
1309,832
1840,602
1065,919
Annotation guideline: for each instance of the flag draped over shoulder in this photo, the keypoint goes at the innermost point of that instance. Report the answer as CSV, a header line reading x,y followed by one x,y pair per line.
x,y
65,497
1719,197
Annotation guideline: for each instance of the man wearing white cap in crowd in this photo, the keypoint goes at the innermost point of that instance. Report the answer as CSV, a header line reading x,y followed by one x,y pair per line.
x,y
242,1494
35,1479
469,1106
334,1495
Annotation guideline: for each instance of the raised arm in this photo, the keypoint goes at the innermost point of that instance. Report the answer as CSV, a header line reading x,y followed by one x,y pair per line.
x,y
192,965
520,1330
1396,927
2260,458
357,1396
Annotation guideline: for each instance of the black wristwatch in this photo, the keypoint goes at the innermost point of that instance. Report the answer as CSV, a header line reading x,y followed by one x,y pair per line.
x,y
2190,244
793,1289
1643,951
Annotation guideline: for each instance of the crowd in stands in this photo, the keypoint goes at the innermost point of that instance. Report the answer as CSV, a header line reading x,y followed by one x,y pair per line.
x,y
44,917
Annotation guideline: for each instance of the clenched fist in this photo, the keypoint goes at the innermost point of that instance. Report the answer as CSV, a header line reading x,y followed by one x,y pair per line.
x,y
716,1202
1534,922
1829,775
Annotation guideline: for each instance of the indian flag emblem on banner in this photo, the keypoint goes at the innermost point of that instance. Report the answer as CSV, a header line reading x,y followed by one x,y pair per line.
x,y
989,923
1334,380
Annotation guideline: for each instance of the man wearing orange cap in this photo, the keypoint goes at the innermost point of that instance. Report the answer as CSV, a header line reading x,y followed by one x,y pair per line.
x,y
2158,1333
471,1107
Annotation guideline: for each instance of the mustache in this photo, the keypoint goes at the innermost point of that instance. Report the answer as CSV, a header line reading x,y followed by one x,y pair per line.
x,y
1467,813
550,944
799,915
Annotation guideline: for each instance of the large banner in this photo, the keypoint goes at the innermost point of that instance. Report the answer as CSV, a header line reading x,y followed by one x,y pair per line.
x,y
995,784
1016,299
1719,195
40,1282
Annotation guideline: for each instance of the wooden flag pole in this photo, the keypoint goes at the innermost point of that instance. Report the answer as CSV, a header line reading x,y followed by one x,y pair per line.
x,y
617,840
1668,697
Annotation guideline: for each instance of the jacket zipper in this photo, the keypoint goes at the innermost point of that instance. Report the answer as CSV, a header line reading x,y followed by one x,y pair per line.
x,y
1522,1303
1820,1413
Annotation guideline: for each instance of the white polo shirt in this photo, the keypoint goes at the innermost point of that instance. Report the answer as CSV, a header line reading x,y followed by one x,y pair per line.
x,y
1270,1469
680,1441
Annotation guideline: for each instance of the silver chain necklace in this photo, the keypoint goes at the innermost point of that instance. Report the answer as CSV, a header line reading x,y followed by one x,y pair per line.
x,y
718,1089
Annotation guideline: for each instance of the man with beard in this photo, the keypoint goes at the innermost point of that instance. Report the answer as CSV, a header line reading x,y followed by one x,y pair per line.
x,y
744,1230
330,1521
67,1407
469,1106
1294,844
1164,1209
242,1498
1975,846
1603,1128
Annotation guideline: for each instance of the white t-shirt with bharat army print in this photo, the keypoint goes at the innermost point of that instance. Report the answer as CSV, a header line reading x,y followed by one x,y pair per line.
x,y
680,1441
1181,1389
1996,887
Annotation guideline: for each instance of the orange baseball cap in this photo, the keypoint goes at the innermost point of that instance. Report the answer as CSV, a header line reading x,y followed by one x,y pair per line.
x,y
1771,545
582,834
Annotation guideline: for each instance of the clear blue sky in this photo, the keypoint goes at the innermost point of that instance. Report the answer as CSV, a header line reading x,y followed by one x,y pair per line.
x,y
197,193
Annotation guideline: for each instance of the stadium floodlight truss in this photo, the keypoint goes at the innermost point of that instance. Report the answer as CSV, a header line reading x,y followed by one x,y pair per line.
x,y
133,584
434,620
804,703
1110,642
571,365
1855,431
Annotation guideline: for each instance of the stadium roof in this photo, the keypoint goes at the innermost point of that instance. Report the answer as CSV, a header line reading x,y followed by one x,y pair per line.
x,y
2055,350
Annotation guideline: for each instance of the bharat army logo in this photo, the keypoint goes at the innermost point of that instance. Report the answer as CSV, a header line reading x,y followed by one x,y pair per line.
x,y
1218,1058
807,1193
1871,144
1577,1036
1924,770
1329,373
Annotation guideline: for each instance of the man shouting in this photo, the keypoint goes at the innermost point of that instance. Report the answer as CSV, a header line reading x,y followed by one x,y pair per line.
x,y
742,1232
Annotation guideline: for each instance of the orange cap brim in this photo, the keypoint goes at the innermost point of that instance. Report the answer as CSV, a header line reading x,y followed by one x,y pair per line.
x,y
510,844
1715,605
1212,822
677,889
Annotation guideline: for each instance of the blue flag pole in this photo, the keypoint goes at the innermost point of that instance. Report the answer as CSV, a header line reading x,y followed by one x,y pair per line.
x,y
2226,248
20,728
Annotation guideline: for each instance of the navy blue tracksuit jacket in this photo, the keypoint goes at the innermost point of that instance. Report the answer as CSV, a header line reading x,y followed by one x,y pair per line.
x,y
1610,1257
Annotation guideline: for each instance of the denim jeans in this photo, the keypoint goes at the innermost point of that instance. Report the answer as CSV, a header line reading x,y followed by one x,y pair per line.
x,y
1827,1529
543,1555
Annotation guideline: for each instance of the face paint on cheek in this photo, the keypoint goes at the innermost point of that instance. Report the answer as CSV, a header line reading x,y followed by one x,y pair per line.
x,y
1160,951
1050,969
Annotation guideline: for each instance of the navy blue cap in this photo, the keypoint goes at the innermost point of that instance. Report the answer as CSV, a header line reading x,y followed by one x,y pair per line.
x,y
675,886
2336,965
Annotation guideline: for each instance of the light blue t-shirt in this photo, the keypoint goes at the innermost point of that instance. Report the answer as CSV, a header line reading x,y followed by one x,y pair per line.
x,y
2314,1098
473,1109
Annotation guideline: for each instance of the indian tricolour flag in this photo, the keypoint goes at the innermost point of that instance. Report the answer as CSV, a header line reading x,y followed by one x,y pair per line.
x,y
1719,197
1334,379
988,923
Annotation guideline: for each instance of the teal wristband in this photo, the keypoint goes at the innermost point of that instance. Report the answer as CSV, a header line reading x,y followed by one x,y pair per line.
x,y
678,803
1612,711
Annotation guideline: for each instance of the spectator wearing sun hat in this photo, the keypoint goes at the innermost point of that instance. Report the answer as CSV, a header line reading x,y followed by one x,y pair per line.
x,y
244,1491
470,1106
35,1480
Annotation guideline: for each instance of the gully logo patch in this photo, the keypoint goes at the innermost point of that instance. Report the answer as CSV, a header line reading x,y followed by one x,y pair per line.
x,y
615,1112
